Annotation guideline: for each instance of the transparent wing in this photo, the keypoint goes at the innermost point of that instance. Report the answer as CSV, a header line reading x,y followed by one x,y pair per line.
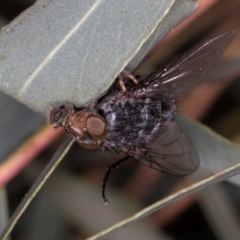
x,y
181,75
171,153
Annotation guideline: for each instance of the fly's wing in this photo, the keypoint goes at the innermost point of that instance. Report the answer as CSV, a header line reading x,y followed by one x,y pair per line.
x,y
171,153
184,73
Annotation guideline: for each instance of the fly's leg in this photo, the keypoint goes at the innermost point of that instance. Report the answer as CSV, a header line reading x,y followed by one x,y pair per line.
x,y
121,79
129,75
104,182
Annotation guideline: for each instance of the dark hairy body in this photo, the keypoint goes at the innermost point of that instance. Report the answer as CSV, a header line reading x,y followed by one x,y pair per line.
x,y
134,120
139,121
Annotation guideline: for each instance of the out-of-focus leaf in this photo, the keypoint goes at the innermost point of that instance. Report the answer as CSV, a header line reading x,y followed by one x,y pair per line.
x,y
216,153
48,224
17,123
88,209
3,208
70,51
219,212
225,70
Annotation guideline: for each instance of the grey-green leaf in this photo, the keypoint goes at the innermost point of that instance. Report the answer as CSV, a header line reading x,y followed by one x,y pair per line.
x,y
70,51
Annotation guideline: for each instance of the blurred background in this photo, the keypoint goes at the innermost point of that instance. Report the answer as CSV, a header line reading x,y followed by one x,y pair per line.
x,y
70,206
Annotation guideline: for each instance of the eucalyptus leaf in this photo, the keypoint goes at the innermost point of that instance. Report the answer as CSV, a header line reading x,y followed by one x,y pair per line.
x,y
71,51
216,153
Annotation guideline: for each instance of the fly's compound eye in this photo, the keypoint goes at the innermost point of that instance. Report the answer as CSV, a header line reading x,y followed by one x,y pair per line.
x,y
78,122
80,117
96,127
93,124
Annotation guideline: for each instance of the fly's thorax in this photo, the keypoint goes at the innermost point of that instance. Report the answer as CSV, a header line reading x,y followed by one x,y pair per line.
x,y
133,120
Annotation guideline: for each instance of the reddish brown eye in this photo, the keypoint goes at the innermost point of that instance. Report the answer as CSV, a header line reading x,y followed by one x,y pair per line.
x,y
78,122
96,127
81,116
90,146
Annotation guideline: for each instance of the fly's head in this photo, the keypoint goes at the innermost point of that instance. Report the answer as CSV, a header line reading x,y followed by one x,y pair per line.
x,y
89,129
58,115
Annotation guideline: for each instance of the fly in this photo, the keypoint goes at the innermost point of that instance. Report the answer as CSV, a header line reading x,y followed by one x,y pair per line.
x,y
138,119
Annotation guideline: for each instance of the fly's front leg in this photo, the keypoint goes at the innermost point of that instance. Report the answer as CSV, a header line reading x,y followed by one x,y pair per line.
x,y
123,77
